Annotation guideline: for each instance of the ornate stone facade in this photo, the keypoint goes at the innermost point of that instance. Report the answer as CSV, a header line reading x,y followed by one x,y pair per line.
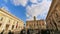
x,y
53,17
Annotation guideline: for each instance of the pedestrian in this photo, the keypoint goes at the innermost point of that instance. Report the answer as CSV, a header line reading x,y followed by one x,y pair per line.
x,y
2,32
12,32
9,32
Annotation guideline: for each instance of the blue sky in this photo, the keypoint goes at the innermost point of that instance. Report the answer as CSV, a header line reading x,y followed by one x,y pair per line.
x,y
26,9
18,11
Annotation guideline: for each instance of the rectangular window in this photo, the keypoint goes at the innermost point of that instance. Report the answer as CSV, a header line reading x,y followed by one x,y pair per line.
x,y
1,18
17,24
12,26
0,24
7,26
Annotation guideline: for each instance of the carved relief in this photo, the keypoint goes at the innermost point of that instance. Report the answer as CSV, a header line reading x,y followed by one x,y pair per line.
x,y
54,18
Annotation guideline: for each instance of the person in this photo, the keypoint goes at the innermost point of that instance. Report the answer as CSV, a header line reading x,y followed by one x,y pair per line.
x,y
12,32
9,32
2,32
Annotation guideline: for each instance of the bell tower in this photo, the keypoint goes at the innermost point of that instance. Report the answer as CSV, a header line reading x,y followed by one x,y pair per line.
x,y
34,18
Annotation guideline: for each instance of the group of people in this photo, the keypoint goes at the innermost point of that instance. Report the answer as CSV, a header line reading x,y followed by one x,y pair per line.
x,y
8,32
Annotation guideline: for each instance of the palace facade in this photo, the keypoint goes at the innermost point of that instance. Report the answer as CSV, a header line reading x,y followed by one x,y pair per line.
x,y
35,24
10,22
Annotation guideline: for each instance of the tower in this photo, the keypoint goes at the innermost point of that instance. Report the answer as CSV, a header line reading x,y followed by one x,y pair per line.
x,y
34,18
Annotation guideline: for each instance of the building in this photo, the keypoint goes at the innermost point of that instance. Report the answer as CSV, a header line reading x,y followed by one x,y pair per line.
x,y
53,17
35,24
10,22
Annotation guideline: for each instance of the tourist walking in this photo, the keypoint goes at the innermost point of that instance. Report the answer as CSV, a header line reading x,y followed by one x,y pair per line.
x,y
9,32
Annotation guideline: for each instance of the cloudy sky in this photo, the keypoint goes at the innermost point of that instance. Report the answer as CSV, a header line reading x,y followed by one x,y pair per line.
x,y
26,9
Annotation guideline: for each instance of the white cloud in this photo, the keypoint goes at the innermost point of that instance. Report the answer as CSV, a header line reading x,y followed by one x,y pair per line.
x,y
19,2
38,9
6,1
36,1
33,1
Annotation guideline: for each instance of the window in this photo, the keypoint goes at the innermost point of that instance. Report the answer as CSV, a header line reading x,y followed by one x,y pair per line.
x,y
0,24
1,18
12,26
17,24
26,24
43,24
7,26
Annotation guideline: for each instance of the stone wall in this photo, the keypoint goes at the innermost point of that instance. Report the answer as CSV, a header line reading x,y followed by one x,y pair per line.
x,y
53,17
